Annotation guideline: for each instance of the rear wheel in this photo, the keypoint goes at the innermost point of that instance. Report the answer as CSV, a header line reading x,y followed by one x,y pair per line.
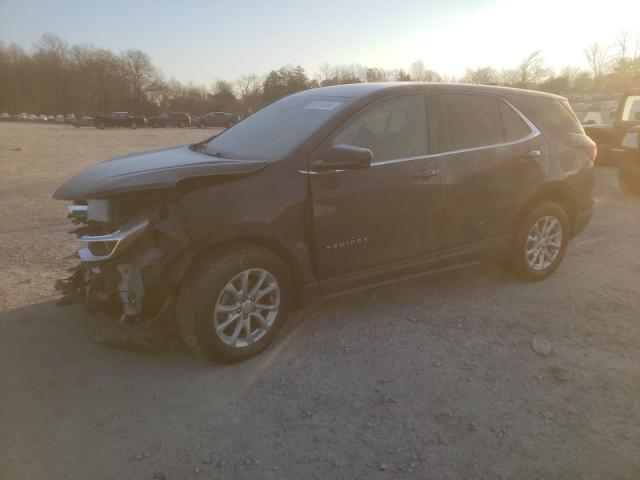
x,y
134,125
232,306
100,125
540,242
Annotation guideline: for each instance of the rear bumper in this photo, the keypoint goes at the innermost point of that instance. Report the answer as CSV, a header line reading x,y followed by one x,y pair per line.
x,y
581,221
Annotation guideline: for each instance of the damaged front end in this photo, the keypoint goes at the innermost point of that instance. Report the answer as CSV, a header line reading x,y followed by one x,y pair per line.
x,y
134,252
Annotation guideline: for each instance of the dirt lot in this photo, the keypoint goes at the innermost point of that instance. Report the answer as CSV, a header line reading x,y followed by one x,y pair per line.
x,y
435,378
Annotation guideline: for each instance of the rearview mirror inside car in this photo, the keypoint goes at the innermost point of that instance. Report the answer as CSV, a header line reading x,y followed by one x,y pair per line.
x,y
344,157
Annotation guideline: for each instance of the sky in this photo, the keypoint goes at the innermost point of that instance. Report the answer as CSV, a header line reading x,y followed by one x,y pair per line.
x,y
199,41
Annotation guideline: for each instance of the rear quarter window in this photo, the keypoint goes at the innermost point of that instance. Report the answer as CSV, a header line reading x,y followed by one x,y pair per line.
x,y
552,116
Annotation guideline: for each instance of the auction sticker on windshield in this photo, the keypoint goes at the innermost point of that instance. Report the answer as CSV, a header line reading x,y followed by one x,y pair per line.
x,y
321,105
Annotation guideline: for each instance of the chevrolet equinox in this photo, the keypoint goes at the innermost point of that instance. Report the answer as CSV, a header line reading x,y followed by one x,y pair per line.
x,y
327,191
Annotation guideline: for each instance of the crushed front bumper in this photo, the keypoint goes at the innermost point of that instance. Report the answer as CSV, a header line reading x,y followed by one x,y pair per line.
x,y
130,271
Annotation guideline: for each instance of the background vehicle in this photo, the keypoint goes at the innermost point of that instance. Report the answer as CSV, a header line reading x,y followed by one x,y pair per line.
x,y
59,119
42,118
84,122
215,119
325,191
608,137
629,159
172,119
119,119
235,117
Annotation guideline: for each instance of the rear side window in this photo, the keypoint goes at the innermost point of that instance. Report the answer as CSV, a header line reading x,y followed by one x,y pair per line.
x,y
514,126
552,116
472,120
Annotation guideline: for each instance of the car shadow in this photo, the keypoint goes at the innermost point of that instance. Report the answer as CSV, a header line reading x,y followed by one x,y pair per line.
x,y
37,323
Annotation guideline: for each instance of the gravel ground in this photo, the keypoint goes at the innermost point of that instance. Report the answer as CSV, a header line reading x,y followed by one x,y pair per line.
x,y
468,374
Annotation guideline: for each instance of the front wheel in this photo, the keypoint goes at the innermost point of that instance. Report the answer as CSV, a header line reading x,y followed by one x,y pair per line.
x,y
231,307
540,242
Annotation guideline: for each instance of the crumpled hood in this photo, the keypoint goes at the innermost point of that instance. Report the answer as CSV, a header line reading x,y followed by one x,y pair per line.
x,y
154,169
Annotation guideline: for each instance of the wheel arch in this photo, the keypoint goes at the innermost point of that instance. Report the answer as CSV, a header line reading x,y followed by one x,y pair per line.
x,y
270,244
550,193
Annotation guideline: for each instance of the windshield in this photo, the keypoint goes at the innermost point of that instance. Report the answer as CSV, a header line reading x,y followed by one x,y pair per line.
x,y
277,129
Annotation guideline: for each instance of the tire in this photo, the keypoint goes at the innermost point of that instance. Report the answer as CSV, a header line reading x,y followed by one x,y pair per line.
x,y
76,125
202,125
206,289
181,125
100,125
134,125
543,261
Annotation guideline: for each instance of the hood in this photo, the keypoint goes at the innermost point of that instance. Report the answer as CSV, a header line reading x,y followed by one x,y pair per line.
x,y
154,169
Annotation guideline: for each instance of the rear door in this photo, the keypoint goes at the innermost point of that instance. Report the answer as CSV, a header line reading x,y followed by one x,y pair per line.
x,y
493,160
370,218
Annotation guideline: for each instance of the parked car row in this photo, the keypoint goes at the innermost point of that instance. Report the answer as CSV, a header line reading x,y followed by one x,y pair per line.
x,y
127,120
29,117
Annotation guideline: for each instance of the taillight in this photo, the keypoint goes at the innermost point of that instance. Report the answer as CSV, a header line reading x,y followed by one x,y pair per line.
x,y
592,150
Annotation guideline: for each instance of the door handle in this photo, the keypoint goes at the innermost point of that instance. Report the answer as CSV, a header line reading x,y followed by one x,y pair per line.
x,y
427,173
531,154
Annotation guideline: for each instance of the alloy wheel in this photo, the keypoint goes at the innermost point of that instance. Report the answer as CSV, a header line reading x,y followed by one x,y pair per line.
x,y
544,242
247,308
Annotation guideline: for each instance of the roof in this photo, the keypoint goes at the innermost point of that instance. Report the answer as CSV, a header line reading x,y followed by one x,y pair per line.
x,y
356,90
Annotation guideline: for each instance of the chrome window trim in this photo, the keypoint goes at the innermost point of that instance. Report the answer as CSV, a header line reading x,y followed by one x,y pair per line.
x,y
533,133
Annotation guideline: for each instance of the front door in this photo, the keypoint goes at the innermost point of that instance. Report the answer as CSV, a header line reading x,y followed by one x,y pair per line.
x,y
372,218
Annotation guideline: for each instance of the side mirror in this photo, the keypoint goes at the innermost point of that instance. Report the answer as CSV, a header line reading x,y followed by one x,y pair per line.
x,y
344,157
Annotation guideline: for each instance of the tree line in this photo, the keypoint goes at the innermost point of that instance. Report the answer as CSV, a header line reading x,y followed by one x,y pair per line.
x,y
57,78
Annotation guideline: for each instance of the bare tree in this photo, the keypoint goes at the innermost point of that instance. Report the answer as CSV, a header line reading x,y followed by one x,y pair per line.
x,y
325,71
599,61
141,75
481,76
420,73
623,43
417,70
532,70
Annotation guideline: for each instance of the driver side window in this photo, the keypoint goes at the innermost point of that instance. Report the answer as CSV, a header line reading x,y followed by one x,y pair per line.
x,y
392,129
